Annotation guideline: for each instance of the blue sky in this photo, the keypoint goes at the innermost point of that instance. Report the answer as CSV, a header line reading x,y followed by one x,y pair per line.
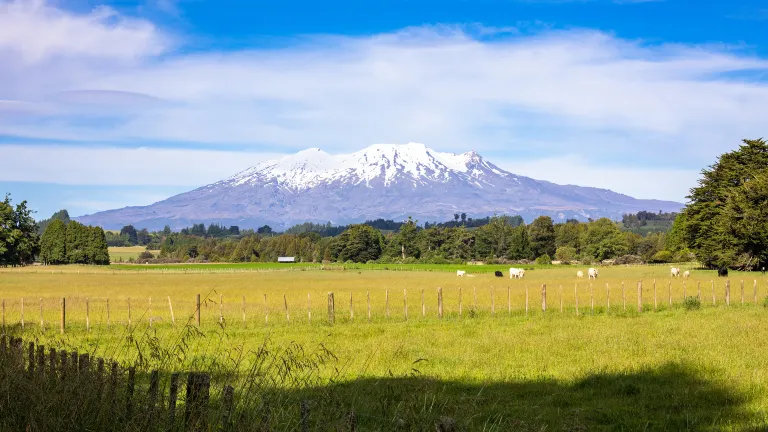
x,y
108,104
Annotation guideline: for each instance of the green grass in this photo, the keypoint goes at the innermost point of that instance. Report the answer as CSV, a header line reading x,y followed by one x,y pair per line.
x,y
668,369
125,253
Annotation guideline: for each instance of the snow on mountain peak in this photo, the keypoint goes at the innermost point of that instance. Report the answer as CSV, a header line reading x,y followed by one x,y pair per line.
x,y
311,167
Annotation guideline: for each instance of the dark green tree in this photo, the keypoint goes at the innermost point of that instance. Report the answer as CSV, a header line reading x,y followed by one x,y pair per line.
x,y
19,241
53,248
142,237
721,199
98,252
359,243
604,240
132,234
520,246
77,239
541,234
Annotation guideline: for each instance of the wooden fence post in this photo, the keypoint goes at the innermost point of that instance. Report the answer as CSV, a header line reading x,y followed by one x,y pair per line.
x,y
31,359
227,401
714,301
685,290
41,360
173,394
440,302
461,301
640,296
591,299
285,303
242,309
698,290
198,394
129,392
754,291
52,363
405,303
63,315
424,307
221,309
87,315
197,310
386,302
742,292
309,307
331,309
129,311
576,297
655,302
728,292
543,297
170,306
42,321
63,367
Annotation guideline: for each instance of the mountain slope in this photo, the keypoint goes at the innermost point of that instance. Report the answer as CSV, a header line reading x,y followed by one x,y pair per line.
x,y
387,181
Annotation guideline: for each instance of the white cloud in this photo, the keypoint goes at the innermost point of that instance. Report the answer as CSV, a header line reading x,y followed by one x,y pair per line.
x,y
624,103
36,31
121,166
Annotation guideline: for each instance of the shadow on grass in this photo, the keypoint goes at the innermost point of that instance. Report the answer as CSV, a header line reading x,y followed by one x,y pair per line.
x,y
671,397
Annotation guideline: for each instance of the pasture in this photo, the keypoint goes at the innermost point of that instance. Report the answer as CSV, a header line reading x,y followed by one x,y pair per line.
x,y
125,253
488,361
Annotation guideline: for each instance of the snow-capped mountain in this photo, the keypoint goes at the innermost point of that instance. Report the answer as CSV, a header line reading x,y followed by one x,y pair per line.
x,y
380,181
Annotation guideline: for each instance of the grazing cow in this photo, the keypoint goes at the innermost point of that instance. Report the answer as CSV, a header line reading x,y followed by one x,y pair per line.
x,y
499,274
579,274
592,273
686,274
675,271
460,273
722,271
516,273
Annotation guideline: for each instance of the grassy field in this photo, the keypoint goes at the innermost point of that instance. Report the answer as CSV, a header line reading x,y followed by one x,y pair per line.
x,y
667,368
125,253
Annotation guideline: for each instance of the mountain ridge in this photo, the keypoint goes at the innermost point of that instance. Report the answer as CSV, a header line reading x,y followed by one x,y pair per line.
x,y
391,181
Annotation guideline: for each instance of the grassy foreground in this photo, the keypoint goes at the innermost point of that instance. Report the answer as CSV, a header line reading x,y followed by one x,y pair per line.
x,y
670,369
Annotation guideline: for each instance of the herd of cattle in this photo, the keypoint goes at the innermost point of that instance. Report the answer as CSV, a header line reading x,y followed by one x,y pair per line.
x,y
518,273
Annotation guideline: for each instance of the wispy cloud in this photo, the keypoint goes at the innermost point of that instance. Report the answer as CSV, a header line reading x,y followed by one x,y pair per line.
x,y
515,95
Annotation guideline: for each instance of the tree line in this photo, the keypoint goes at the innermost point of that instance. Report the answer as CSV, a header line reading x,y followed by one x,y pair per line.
x,y
502,239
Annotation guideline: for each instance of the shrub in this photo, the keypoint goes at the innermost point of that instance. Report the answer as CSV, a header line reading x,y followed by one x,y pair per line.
x,y
662,257
692,303
565,254
544,259
765,302
146,255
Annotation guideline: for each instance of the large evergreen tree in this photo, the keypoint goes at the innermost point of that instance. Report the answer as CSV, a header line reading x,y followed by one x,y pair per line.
x,y
541,234
53,248
77,243
19,241
721,223
360,243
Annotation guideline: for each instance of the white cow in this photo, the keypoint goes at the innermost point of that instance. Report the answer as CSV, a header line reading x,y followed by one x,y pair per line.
x,y
675,271
460,272
579,274
686,274
592,272
516,273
